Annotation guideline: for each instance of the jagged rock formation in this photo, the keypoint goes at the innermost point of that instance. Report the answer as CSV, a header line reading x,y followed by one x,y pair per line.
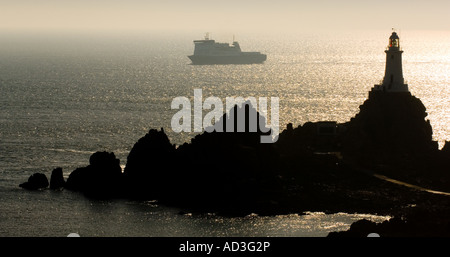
x,y
314,167
231,171
151,166
216,171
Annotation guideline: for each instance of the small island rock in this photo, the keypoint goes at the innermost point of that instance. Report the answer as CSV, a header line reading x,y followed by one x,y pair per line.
x,y
35,182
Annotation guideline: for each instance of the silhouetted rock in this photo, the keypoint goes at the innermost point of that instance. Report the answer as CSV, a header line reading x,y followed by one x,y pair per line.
x,y
77,180
314,167
101,179
322,136
150,166
390,135
390,128
57,179
35,182
230,172
217,171
363,227
389,131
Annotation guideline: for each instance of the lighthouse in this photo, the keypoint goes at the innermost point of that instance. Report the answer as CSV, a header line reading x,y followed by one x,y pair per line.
x,y
393,76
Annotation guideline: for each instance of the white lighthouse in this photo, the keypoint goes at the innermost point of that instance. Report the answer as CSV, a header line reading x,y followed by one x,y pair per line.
x,y
393,77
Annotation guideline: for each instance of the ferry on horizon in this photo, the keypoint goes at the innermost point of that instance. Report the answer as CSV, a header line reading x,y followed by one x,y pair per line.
x,y
208,51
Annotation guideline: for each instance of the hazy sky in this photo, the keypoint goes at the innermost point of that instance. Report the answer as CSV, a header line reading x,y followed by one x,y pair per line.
x,y
224,15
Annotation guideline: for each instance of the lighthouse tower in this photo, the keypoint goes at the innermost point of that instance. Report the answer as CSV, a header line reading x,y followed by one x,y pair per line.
x,y
393,77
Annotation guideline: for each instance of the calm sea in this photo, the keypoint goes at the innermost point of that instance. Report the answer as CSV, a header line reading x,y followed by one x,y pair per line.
x,y
65,96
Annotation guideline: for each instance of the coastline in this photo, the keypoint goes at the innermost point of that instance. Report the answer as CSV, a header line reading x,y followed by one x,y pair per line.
x,y
300,173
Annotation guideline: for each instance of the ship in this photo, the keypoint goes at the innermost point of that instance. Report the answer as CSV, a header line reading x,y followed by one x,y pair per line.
x,y
208,51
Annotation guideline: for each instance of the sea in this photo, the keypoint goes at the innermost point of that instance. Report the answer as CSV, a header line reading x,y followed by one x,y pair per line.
x,y
64,96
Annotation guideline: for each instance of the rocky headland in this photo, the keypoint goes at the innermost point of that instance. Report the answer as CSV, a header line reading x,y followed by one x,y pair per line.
x,y
318,166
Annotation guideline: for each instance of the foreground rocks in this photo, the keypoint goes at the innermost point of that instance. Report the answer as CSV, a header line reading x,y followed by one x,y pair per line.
x,y
102,178
57,179
318,166
230,173
151,167
35,182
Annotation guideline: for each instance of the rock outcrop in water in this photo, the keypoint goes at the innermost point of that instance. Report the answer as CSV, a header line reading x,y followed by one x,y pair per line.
x,y
230,172
57,179
35,182
389,127
391,135
149,172
102,178
317,166
226,172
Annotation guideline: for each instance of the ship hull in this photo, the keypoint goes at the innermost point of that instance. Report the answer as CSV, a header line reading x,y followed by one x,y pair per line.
x,y
236,59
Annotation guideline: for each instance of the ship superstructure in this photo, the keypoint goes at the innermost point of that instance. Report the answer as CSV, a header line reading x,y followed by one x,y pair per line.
x,y
209,51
